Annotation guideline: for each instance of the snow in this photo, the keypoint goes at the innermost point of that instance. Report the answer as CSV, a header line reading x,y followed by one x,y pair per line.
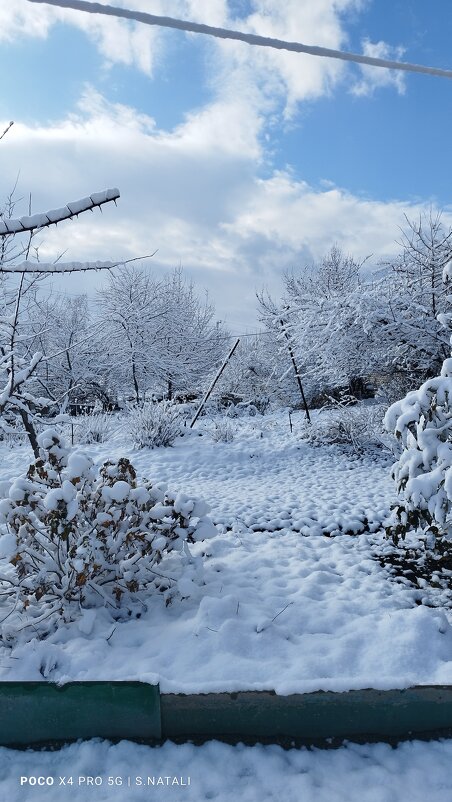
x,y
282,599
275,604
119,491
414,771
31,222
421,421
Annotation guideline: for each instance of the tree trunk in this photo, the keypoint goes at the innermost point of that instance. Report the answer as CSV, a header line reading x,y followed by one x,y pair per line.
x,y
31,432
135,382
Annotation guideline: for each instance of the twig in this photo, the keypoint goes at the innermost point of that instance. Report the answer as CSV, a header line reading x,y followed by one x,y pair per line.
x,y
7,129
281,611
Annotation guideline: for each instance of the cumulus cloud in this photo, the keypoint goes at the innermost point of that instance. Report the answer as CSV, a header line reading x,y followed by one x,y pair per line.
x,y
283,77
118,41
294,77
373,78
194,192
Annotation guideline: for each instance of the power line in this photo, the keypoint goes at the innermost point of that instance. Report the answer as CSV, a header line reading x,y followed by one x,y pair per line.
x,y
248,38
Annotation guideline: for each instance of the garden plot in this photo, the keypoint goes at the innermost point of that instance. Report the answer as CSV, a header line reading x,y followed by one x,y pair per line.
x,y
270,602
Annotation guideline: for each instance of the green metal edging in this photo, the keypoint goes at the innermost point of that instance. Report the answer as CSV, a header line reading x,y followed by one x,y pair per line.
x,y
33,713
42,712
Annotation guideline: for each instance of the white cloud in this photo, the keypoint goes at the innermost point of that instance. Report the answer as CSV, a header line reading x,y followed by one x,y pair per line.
x,y
118,41
374,78
194,193
267,76
281,77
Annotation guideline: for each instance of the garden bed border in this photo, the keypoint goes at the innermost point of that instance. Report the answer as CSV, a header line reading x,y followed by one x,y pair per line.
x,y
43,713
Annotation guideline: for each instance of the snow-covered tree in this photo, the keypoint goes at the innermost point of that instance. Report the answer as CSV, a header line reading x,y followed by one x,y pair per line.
x,y
317,311
350,330
251,376
336,275
20,406
132,320
159,336
79,371
191,343
419,296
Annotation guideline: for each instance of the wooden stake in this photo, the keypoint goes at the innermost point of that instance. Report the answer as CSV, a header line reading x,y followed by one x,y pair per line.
x,y
209,391
292,356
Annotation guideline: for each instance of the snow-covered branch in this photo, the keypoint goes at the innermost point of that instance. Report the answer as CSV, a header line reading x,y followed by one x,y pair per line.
x,y
66,267
54,216
57,267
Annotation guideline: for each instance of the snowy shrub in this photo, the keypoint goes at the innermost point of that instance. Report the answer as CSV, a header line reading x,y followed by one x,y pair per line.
x,y
223,431
262,404
79,536
394,387
94,428
357,427
422,422
153,425
250,409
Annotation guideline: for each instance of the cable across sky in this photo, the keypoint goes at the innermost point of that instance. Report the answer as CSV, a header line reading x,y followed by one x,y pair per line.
x,y
248,38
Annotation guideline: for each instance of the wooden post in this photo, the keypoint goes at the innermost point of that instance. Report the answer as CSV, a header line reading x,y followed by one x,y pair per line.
x,y
292,356
209,391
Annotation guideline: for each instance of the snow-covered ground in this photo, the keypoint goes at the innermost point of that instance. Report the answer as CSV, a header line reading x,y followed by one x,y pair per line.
x,y
414,772
281,606
284,606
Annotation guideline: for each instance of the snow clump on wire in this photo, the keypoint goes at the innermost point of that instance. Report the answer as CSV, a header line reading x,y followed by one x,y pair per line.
x,y
77,536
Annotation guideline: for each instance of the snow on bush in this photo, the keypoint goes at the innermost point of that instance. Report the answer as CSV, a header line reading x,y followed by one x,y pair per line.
x,y
94,428
358,427
76,536
154,424
422,422
223,431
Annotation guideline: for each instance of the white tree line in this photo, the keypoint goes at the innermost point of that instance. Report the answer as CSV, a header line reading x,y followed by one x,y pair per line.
x,y
334,328
144,336
382,327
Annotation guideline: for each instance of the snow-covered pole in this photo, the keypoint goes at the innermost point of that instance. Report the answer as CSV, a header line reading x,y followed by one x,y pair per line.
x,y
54,216
209,391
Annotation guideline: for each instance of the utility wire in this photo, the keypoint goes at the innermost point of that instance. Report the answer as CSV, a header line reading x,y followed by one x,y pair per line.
x,y
248,38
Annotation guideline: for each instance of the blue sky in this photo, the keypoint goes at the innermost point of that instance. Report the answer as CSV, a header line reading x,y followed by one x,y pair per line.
x,y
236,162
